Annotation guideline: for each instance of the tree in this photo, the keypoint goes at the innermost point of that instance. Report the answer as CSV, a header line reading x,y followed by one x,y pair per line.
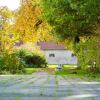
x,y
29,24
5,30
71,18
88,53
75,22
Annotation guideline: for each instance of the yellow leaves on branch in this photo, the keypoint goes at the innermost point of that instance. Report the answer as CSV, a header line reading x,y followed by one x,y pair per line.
x,y
26,18
5,28
29,23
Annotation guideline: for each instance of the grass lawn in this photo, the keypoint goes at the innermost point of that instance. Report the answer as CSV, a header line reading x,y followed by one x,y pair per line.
x,y
29,70
78,74
32,70
68,70
65,66
50,68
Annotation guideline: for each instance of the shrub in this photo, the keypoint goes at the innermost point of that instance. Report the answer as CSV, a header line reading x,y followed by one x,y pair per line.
x,y
21,53
32,59
88,53
10,63
35,60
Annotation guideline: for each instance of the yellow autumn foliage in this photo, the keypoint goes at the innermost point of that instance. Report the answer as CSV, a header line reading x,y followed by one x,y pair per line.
x,y
29,25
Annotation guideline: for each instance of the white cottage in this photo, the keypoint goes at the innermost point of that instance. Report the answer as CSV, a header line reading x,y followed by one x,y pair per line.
x,y
57,53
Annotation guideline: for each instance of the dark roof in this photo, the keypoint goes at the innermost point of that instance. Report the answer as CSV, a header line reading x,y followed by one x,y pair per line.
x,y
50,46
19,43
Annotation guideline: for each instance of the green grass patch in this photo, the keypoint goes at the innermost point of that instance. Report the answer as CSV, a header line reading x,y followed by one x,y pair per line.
x,y
52,66
49,69
30,70
16,98
82,74
65,66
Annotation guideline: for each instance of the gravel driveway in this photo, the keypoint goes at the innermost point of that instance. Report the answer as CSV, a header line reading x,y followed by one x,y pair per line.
x,y
42,86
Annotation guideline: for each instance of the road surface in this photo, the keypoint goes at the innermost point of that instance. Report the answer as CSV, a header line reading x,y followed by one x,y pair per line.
x,y
42,86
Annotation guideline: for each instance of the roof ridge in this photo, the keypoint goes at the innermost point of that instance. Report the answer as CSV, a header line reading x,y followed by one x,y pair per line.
x,y
51,46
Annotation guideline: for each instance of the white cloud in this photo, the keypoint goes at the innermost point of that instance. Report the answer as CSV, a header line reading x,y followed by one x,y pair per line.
x,y
11,4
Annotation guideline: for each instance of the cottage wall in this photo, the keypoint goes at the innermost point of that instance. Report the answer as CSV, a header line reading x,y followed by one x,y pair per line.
x,y
60,57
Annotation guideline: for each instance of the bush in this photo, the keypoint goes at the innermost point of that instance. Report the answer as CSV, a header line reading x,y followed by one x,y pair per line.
x,y
10,63
35,61
88,53
21,53
32,59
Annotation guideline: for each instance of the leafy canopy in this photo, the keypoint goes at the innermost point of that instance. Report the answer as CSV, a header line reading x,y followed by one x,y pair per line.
x,y
29,25
72,18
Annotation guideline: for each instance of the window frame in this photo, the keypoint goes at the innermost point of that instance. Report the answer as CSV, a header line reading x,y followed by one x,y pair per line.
x,y
51,55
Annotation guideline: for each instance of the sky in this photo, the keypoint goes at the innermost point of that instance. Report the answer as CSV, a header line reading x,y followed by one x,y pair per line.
x,y
11,4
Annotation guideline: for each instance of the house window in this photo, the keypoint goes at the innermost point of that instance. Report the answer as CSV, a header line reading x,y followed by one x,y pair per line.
x,y
72,55
52,55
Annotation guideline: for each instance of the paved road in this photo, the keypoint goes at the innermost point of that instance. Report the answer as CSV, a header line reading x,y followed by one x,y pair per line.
x,y
42,86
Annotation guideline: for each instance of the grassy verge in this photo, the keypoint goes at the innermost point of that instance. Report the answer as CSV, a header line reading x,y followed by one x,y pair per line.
x,y
32,70
82,74
65,66
29,70
49,69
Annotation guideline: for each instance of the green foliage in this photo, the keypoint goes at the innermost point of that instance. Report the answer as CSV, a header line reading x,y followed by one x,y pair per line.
x,y
21,53
71,18
88,52
32,59
35,61
10,63
80,74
